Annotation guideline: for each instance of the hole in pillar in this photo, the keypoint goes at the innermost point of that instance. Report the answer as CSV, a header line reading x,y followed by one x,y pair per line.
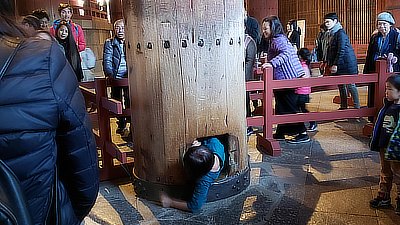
x,y
231,149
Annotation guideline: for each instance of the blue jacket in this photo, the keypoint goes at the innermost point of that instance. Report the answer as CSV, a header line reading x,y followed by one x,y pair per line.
x,y
111,58
44,125
394,139
204,183
393,47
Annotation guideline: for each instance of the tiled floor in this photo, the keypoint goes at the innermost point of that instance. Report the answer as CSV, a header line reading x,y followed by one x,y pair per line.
x,y
329,180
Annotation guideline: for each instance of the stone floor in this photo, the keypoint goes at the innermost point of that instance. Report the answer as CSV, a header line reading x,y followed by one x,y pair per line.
x,y
329,180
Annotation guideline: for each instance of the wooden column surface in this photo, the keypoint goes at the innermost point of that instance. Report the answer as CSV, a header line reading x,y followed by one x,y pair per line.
x,y
183,85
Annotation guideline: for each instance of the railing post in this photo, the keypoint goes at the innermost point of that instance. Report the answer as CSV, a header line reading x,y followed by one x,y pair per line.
x,y
381,69
267,142
268,100
104,129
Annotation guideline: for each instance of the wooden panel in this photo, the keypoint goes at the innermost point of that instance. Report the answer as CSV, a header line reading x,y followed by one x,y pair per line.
x,y
358,17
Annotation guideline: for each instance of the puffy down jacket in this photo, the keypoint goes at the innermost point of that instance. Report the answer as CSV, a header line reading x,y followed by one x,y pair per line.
x,y
44,125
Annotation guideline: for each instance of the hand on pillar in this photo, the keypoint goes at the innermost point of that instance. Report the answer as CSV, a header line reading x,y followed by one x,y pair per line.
x,y
196,143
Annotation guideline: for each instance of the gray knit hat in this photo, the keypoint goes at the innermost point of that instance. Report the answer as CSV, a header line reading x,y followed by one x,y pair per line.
x,y
386,16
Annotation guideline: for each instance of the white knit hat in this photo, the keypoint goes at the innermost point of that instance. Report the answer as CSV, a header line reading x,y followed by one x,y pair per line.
x,y
385,16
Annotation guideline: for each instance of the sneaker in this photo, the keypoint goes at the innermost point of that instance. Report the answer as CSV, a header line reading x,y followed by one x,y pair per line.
x,y
312,128
397,210
249,131
301,138
279,137
379,202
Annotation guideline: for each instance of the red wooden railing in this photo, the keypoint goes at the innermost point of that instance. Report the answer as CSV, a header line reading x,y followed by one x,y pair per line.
x,y
103,108
267,144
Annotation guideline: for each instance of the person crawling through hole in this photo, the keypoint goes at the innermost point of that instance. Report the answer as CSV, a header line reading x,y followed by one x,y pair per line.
x,y
204,162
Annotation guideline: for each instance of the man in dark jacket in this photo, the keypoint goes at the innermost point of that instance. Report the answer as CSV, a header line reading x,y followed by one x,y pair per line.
x,y
251,25
45,129
114,66
340,57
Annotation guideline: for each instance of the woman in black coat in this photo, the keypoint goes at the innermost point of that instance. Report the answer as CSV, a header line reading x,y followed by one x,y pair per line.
x,y
381,44
293,33
45,128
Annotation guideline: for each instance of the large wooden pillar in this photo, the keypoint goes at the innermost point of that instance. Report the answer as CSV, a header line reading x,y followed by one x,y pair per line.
x,y
186,75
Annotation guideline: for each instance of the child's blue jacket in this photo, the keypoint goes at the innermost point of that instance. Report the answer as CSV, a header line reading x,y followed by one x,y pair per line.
x,y
203,184
394,143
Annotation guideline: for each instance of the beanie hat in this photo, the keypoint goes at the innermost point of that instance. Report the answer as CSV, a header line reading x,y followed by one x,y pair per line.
x,y
386,16
331,16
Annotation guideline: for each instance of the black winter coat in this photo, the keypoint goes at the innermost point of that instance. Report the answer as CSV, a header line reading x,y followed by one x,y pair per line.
x,y
341,53
43,125
295,38
370,63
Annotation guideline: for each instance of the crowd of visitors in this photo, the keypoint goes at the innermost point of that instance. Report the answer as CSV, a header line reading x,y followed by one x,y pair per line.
x,y
56,132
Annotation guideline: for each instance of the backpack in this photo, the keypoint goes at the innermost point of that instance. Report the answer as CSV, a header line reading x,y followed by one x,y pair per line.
x,y
88,59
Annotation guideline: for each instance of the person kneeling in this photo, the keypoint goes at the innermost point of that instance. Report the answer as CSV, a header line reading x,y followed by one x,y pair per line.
x,y
204,163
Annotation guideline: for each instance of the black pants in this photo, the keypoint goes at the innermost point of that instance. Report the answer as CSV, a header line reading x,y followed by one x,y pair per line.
x,y
301,103
286,103
116,93
248,108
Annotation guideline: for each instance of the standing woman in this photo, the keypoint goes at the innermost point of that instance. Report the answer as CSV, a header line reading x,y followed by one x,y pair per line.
x,y
283,58
293,33
381,44
321,43
67,42
46,135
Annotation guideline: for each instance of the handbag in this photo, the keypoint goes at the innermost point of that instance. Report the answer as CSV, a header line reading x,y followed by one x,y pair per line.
x,y
13,205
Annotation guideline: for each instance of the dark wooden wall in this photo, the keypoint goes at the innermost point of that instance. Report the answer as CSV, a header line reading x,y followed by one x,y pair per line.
x,y
259,9
394,7
356,16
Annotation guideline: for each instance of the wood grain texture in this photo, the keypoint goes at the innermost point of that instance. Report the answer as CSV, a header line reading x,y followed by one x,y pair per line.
x,y
358,17
185,86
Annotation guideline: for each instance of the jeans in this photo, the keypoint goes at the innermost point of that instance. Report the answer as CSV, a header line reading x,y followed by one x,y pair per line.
x,y
343,95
